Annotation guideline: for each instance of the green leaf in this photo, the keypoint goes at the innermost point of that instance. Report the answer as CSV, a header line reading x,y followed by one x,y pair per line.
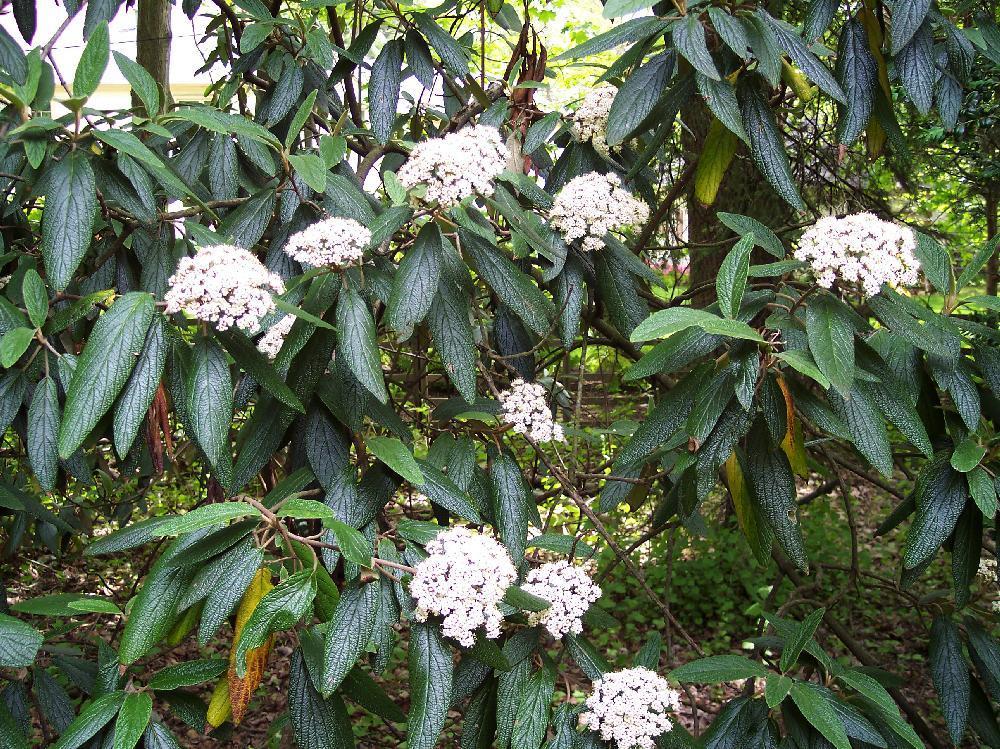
x,y
533,713
300,313
793,646
68,219
907,17
348,633
983,491
626,32
619,8
137,395
358,343
668,321
763,237
299,119
13,345
104,367
716,669
415,281
430,686
858,75
210,405
975,265
93,61
803,363
443,492
967,455
352,543
318,723
831,341
732,279
225,123
950,674
515,289
383,89
94,716
250,359
188,674
820,714
43,433
511,498
36,298
935,262
311,168
65,604
866,425
800,54
689,40
720,96
12,58
203,517
153,611
132,720
767,143
19,642
941,494
636,100
776,688
142,83
916,69
521,599
448,48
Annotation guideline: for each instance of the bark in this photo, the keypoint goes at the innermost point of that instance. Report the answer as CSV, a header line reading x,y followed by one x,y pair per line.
x,y
153,38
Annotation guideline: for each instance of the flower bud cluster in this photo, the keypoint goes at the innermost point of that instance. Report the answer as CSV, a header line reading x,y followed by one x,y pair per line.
x,y
333,242
457,165
630,707
463,580
590,120
570,591
223,285
860,249
271,342
591,205
526,409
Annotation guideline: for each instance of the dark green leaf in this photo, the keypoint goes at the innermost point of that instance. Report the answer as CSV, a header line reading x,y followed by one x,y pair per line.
x,y
951,675
210,405
716,669
43,429
68,219
358,343
132,720
383,89
430,686
348,633
689,40
92,718
93,61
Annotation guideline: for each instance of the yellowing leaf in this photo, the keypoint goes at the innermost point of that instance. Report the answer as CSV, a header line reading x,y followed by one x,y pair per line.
x,y
218,707
241,688
720,147
793,443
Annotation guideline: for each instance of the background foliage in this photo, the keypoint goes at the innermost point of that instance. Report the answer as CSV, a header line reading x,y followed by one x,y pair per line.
x,y
711,393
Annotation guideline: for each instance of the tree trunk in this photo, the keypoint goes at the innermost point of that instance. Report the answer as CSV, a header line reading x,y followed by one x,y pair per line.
x,y
152,36
992,199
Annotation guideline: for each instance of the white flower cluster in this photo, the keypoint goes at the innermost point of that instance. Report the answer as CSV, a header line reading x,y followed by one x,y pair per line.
x,y
590,120
271,342
223,285
526,409
570,591
457,165
630,708
987,569
333,242
591,205
860,248
463,580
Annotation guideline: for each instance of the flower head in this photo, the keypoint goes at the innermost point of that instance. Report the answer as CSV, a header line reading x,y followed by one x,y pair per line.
x,y
630,707
332,242
457,165
591,205
860,248
223,285
526,409
570,591
463,580
987,569
273,339
590,120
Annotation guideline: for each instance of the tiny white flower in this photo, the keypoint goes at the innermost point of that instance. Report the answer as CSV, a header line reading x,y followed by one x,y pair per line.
x,y
987,569
463,580
456,165
860,249
271,342
223,285
590,120
570,591
525,408
591,205
333,242
631,707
